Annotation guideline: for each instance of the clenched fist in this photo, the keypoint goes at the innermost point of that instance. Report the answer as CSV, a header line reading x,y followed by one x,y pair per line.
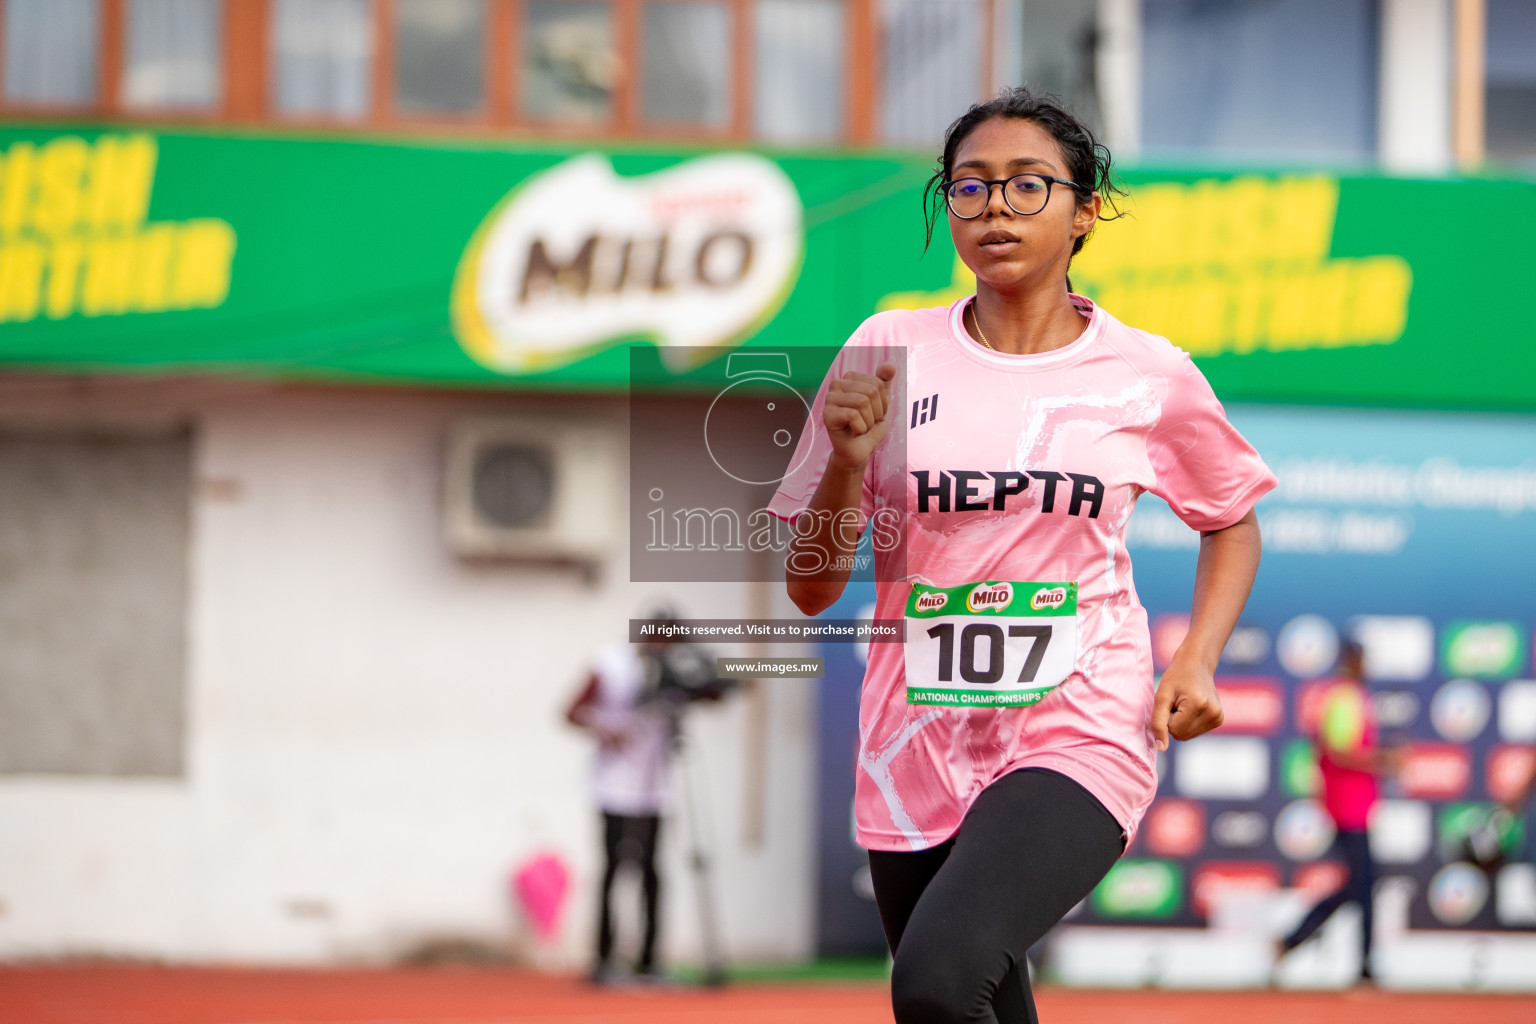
x,y
857,415
1186,705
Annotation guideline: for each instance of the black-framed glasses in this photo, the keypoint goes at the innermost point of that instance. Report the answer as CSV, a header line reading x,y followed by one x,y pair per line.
x,y
1025,194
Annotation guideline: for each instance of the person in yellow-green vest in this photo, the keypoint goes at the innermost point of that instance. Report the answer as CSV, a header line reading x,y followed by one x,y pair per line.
x,y
1350,760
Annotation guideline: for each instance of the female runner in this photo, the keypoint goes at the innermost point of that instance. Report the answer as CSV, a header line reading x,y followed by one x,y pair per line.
x,y
1008,747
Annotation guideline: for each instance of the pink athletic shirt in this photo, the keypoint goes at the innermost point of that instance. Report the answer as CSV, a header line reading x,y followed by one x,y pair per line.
x,y
1023,468
1347,725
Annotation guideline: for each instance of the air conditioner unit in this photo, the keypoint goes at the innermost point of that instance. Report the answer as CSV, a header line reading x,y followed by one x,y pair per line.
x,y
530,488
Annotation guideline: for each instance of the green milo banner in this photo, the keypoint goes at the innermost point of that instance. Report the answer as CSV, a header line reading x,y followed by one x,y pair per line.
x,y
522,266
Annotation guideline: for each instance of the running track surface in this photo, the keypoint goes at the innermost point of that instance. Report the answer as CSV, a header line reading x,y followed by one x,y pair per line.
x,y
148,995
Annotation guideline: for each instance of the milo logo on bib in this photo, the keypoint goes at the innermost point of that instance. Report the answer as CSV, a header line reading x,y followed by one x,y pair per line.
x,y
995,643
931,601
990,597
1051,597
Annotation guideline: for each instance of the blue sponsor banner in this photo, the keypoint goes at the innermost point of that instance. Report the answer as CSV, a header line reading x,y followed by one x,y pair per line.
x,y
1414,533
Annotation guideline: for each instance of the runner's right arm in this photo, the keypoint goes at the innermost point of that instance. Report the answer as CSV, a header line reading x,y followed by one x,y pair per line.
x,y
821,557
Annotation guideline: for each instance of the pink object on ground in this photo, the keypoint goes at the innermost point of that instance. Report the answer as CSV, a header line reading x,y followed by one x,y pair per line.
x,y
541,884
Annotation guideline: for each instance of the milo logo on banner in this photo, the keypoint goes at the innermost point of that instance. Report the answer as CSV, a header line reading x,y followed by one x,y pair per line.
x,y
578,257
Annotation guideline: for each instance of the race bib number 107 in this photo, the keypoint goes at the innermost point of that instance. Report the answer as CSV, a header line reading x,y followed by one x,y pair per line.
x,y
989,644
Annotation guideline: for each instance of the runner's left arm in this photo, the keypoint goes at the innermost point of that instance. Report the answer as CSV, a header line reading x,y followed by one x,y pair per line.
x,y
1186,704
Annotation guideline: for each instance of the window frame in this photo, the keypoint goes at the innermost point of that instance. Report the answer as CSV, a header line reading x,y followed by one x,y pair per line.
x,y
384,103
91,108
624,35
264,110
232,15
248,66
738,122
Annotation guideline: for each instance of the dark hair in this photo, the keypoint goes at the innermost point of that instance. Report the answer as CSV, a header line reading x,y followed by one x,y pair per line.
x,y
1088,161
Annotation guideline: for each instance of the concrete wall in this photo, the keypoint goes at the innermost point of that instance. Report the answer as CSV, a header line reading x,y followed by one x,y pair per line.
x,y
374,735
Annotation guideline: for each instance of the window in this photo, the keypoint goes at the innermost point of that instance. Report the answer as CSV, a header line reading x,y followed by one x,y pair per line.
x,y
51,51
686,65
322,57
1060,53
1260,80
1511,95
569,62
173,54
94,536
439,56
799,63
932,68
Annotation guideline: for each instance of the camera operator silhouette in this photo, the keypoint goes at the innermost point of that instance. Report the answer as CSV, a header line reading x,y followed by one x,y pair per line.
x,y
632,703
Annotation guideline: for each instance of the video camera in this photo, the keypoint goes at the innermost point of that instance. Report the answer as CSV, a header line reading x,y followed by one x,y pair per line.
x,y
681,673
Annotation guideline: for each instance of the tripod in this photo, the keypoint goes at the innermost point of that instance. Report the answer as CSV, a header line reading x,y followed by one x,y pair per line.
x,y
697,830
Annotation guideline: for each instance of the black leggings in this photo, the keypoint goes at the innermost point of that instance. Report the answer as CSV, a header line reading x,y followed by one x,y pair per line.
x,y
633,839
1355,848
960,916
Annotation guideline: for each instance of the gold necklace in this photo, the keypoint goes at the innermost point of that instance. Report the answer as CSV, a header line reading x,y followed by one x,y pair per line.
x,y
980,333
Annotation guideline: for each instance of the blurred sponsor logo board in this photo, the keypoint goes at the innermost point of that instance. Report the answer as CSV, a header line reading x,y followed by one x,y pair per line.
x,y
1509,767
1457,892
1239,829
1249,645
1222,767
1309,646
1250,706
1303,830
1320,878
1436,771
1400,831
1398,648
1515,893
1145,889
1214,881
1395,709
1487,650
1449,668
1459,819
1517,711
1174,828
1459,710
1298,768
